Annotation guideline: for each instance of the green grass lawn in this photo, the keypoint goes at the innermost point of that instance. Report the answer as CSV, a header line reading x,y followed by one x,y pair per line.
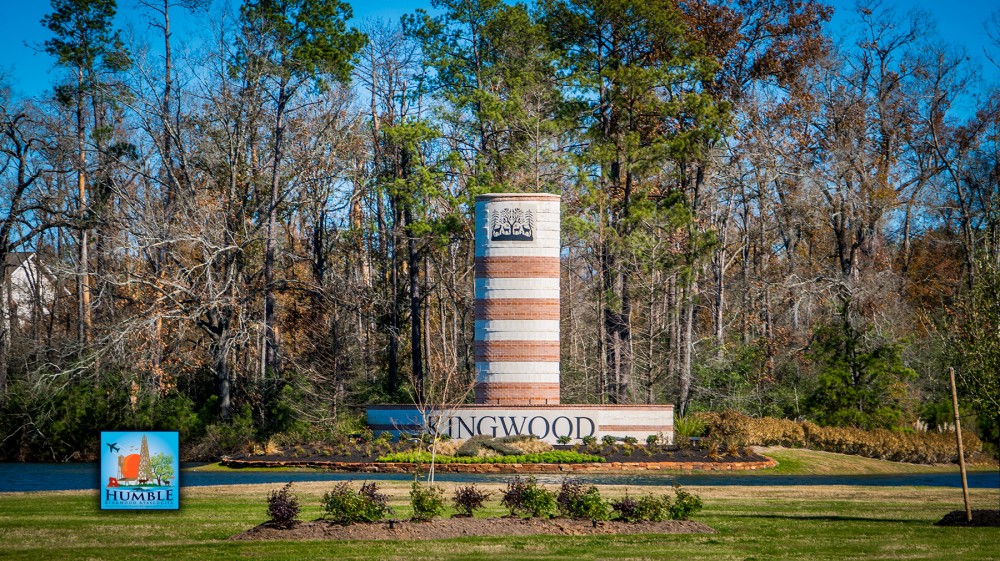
x,y
753,523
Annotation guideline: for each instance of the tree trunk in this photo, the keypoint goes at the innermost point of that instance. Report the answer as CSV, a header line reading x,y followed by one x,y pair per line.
x,y
416,342
83,273
270,340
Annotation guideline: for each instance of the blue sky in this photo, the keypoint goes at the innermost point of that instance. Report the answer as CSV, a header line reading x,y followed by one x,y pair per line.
x,y
959,22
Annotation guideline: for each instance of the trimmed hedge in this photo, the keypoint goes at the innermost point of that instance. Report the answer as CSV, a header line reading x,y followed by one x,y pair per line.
x,y
554,457
733,429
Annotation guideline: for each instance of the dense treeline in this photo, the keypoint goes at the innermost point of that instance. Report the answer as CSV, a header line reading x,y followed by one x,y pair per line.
x,y
267,232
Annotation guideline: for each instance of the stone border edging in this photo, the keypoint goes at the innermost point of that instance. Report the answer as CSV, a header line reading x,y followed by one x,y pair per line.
x,y
402,467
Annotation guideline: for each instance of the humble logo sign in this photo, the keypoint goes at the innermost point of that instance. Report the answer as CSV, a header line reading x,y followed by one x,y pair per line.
x,y
139,470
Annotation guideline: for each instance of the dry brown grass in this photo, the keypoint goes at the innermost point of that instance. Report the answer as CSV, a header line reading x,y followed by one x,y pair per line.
x,y
531,446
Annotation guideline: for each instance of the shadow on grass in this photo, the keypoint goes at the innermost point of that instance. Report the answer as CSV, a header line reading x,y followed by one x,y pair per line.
x,y
827,518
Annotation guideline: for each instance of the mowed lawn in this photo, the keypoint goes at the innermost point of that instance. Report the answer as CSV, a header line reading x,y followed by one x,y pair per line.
x,y
753,523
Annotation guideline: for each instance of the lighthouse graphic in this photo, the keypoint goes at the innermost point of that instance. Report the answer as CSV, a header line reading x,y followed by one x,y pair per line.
x,y
145,466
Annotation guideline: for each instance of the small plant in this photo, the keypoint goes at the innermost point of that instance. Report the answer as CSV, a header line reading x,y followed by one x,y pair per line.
x,y
564,439
685,504
627,450
608,440
627,508
469,499
427,502
589,440
344,506
576,501
713,450
630,440
526,497
653,509
687,426
652,440
283,507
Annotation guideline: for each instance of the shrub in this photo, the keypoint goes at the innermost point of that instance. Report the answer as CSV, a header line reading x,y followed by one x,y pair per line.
x,y
589,440
685,504
283,507
652,440
524,496
427,502
689,426
344,506
731,429
630,440
527,444
576,501
477,445
608,440
564,439
447,447
469,499
653,509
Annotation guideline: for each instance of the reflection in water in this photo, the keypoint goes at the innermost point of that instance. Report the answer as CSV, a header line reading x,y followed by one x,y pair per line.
x,y
58,477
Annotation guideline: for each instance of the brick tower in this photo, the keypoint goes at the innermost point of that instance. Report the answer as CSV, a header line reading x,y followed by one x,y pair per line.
x,y
517,299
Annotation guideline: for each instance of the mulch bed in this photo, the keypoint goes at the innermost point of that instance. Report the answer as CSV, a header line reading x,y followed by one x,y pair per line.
x,y
980,518
461,527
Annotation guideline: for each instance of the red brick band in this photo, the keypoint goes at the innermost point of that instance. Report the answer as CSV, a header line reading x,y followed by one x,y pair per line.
x,y
517,351
512,393
517,267
517,308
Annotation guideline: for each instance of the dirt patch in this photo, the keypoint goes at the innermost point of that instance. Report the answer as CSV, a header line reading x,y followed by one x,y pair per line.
x,y
979,518
460,527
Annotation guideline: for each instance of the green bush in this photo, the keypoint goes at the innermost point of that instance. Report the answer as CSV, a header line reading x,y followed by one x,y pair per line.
x,y
427,502
577,501
685,504
344,506
647,508
687,426
525,496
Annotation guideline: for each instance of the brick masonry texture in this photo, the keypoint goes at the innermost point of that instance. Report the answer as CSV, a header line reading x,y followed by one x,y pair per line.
x,y
510,393
517,267
517,308
517,351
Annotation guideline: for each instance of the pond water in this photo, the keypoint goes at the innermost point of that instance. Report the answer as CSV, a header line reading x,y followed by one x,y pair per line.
x,y
62,477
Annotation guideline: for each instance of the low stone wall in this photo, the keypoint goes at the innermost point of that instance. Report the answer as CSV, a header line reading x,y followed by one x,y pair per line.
x,y
399,467
547,422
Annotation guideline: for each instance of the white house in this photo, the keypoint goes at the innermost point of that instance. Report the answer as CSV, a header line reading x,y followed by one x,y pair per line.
x,y
30,286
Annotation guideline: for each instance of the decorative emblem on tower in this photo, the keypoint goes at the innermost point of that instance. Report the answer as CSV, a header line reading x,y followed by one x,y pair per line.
x,y
512,224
